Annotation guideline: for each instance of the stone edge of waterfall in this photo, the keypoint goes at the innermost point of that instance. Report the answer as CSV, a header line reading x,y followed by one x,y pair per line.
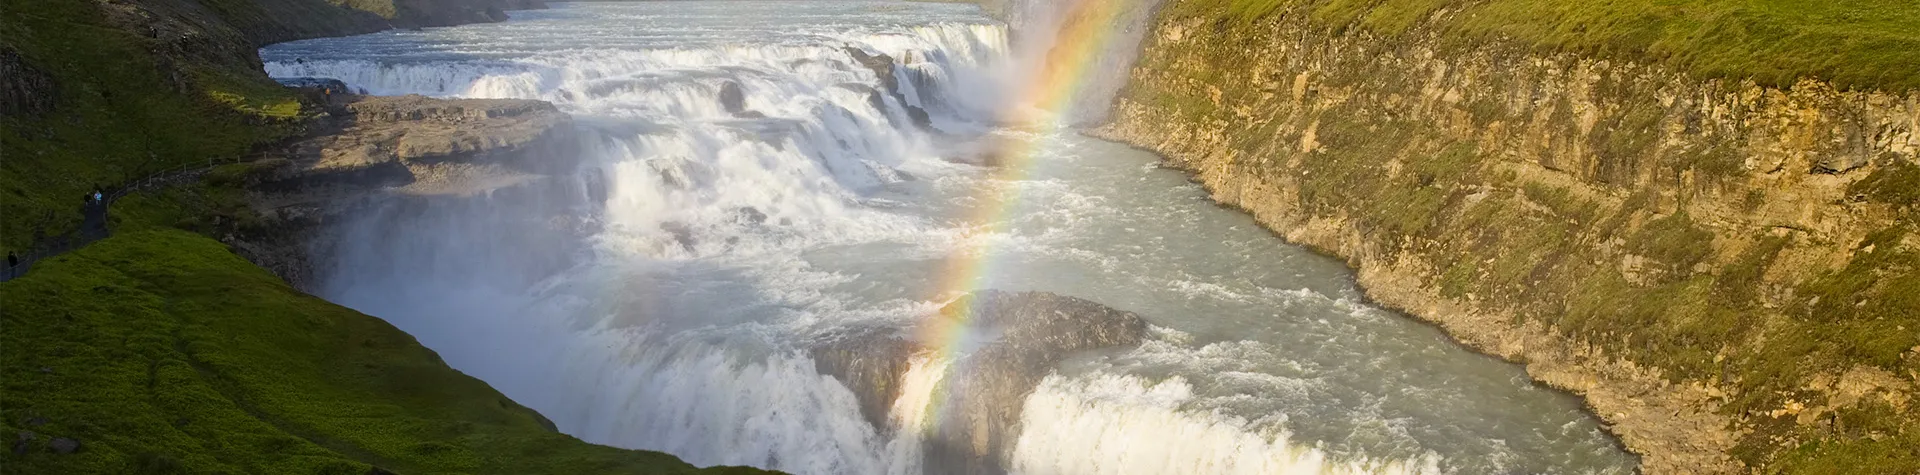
x,y
372,149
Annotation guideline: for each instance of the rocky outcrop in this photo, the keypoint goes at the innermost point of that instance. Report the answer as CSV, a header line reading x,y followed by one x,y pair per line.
x,y
1022,336
883,66
1721,269
403,146
420,145
734,100
870,361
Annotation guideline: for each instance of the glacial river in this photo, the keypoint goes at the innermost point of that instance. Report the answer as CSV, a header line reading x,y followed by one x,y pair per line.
x,y
664,296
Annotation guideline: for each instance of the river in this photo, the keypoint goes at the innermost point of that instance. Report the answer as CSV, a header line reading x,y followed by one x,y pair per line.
x,y
666,295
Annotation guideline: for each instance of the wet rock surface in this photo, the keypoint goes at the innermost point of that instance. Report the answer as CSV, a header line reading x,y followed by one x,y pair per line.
x,y
870,361
1024,335
734,100
883,67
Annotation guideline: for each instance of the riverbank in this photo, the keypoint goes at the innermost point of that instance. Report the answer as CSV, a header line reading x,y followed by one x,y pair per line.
x,y
1723,269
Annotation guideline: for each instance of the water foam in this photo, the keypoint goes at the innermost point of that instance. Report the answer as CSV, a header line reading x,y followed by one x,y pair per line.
x,y
1116,424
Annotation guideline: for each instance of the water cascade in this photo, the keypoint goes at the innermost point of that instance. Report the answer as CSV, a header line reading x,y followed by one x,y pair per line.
x,y
748,263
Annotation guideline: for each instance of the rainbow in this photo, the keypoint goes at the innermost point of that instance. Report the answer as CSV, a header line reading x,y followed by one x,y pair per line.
x,y
1088,27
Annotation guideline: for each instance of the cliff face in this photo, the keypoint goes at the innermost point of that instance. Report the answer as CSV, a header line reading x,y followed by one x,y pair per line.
x,y
1728,273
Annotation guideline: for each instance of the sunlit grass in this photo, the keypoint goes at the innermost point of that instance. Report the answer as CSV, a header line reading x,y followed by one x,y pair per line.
x,y
1855,44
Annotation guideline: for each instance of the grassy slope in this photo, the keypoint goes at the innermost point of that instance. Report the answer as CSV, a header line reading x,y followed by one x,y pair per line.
x,y
130,105
117,116
161,351
1858,43
1696,326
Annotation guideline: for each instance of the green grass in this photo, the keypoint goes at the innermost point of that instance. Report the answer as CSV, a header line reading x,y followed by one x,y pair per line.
x,y
1673,240
1865,44
118,115
128,105
162,352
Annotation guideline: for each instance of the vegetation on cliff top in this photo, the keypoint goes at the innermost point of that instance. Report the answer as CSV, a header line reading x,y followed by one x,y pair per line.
x,y
1854,44
117,112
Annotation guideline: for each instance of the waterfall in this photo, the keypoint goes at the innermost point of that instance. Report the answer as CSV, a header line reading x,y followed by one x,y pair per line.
x,y
757,179
608,299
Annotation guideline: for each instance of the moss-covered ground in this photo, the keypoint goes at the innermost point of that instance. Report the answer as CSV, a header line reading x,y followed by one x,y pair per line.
x,y
1858,43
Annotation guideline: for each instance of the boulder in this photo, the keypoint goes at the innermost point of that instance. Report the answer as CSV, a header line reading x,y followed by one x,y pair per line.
x,y
734,100
63,445
882,66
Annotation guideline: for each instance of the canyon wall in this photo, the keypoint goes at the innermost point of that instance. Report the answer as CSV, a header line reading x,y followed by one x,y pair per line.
x,y
1728,273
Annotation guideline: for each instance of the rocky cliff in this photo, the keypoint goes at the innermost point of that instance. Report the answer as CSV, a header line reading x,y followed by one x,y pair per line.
x,y
373,150
1728,272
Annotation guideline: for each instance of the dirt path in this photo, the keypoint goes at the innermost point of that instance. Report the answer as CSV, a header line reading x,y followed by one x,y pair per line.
x,y
94,217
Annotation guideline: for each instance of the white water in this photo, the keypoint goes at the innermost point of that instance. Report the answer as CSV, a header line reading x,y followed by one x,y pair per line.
x,y
672,313
1113,424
